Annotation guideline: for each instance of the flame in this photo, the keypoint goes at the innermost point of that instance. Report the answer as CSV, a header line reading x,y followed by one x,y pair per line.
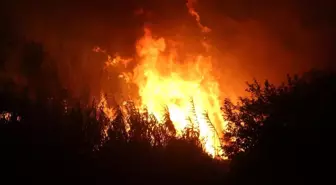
x,y
187,88
8,116
192,12
164,81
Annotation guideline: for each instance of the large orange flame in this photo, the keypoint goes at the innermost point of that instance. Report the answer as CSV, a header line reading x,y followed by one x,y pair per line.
x,y
165,81
187,88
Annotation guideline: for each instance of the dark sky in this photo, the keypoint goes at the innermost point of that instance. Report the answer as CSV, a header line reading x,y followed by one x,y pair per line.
x,y
259,38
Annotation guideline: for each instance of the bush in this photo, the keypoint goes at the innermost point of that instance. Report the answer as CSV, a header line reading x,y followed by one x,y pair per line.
x,y
283,130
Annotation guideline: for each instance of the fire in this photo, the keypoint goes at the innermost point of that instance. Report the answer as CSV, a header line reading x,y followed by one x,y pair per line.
x,y
8,117
187,88
192,11
164,81
185,85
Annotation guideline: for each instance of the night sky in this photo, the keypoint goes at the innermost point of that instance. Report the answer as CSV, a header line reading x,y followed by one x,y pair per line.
x,y
260,38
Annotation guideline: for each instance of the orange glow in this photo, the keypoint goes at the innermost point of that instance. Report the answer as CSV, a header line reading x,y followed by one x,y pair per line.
x,y
163,80
185,85
192,11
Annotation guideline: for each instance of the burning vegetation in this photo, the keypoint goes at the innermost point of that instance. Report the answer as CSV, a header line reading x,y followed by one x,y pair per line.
x,y
186,89
161,117
183,89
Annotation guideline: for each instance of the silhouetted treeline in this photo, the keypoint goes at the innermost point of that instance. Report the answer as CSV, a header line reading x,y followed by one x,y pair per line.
x,y
279,134
56,142
284,134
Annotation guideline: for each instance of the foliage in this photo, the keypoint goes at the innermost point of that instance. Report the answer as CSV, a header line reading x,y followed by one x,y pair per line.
x,y
77,139
281,131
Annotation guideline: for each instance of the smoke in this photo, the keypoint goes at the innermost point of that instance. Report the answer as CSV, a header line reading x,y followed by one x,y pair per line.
x,y
261,39
267,39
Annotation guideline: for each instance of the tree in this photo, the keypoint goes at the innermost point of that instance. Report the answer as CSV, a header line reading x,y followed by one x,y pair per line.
x,y
283,128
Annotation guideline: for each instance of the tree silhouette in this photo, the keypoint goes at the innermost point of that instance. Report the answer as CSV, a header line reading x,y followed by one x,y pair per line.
x,y
80,144
283,129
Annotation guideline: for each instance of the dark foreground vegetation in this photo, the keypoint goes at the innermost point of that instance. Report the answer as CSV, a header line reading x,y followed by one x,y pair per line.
x,y
278,135
281,135
48,144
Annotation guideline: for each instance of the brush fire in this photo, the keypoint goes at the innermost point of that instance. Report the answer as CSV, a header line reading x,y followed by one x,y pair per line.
x,y
185,86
